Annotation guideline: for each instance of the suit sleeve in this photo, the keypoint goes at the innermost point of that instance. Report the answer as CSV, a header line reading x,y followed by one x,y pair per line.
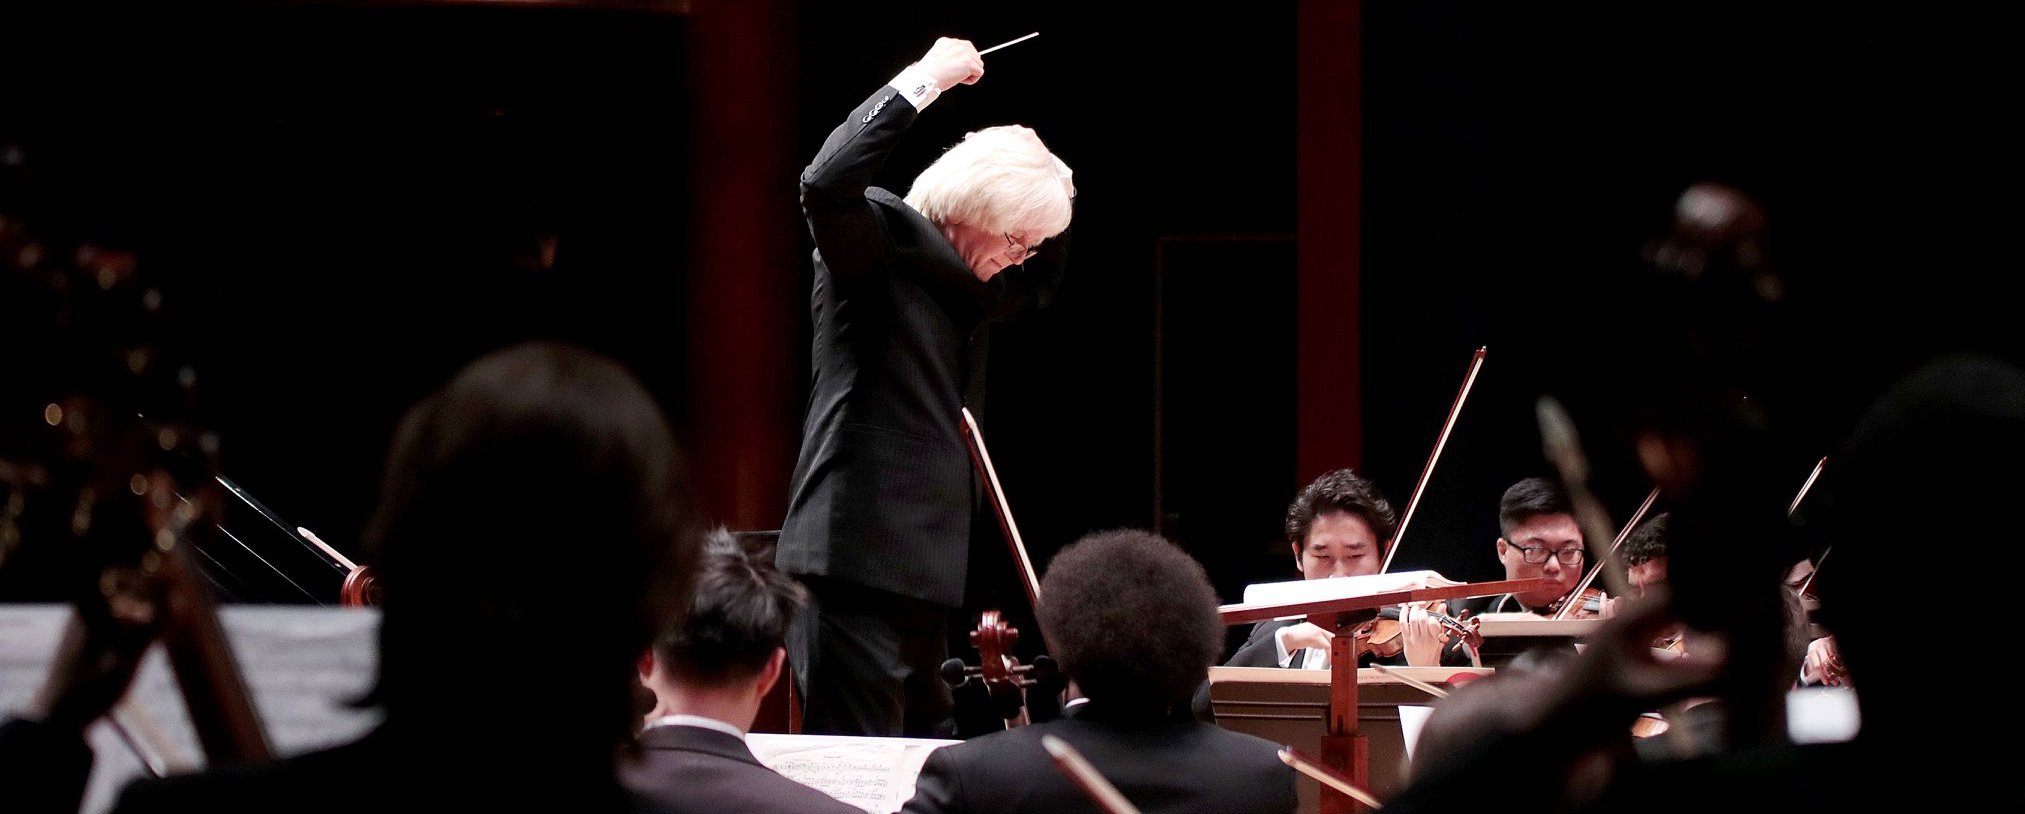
x,y
846,228
1259,649
939,788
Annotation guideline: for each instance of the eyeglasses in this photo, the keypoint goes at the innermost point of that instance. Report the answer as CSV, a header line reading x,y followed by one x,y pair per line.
x,y
1537,554
1021,252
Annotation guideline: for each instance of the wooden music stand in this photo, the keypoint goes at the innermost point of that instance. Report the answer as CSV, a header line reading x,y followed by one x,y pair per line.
x,y
1343,749
1507,635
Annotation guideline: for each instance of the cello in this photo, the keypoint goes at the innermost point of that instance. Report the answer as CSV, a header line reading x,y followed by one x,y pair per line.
x,y
1005,679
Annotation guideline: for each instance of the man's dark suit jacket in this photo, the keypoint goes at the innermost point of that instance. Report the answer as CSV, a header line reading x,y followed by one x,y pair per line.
x,y
691,769
378,771
882,491
1164,767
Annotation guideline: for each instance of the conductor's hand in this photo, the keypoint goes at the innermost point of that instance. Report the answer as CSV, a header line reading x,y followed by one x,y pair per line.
x,y
952,62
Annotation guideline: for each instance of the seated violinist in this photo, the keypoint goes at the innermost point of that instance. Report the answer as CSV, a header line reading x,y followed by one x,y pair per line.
x,y
1339,526
1133,621
1540,540
1644,554
1644,558
709,672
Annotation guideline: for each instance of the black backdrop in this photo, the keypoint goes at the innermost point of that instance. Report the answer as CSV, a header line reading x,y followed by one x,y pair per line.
x,y
357,195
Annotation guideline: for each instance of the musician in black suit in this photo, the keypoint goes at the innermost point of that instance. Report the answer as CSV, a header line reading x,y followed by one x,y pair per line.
x,y
709,672
1540,540
1340,525
880,514
1133,621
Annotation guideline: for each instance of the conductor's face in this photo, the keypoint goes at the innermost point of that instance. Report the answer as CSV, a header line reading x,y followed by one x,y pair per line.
x,y
1339,544
987,253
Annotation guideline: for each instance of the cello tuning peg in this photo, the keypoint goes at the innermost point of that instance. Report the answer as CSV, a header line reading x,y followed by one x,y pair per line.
x,y
955,672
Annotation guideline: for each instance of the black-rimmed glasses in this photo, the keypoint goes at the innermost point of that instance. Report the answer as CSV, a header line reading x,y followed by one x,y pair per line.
x,y
1537,554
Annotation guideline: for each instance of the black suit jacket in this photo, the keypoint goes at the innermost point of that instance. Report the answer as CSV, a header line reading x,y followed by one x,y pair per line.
x,y
1163,767
882,491
688,769
383,772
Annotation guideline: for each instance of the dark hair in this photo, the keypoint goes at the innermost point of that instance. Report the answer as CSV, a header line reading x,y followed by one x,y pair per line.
x,y
1529,497
737,617
1647,542
535,523
1340,491
1132,619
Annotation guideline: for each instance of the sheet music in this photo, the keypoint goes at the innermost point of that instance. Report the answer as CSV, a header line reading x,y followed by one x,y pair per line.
x,y
875,774
1317,590
304,665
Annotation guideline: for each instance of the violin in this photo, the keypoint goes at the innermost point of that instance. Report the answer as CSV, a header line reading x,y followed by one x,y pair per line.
x,y
1387,639
1590,605
361,589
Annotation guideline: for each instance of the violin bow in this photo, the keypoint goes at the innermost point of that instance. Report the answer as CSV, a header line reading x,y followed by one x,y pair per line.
x,y
1410,681
1427,472
1622,535
1086,776
1805,487
1795,507
1327,776
982,459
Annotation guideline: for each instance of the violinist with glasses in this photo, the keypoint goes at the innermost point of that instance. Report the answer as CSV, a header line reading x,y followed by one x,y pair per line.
x,y
1541,540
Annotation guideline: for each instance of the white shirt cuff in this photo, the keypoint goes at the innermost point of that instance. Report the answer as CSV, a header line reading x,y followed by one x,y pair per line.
x,y
1280,647
918,85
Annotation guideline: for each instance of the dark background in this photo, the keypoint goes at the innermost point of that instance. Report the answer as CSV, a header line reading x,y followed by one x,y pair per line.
x,y
354,199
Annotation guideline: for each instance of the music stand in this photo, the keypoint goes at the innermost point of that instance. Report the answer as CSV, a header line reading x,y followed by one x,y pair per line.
x,y
1292,707
1508,635
1343,748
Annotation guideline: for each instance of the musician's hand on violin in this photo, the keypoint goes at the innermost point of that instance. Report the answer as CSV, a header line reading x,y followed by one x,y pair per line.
x,y
1823,665
1609,608
952,62
1305,634
1423,636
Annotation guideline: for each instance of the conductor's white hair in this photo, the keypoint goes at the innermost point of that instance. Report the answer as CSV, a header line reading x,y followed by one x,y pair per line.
x,y
999,179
